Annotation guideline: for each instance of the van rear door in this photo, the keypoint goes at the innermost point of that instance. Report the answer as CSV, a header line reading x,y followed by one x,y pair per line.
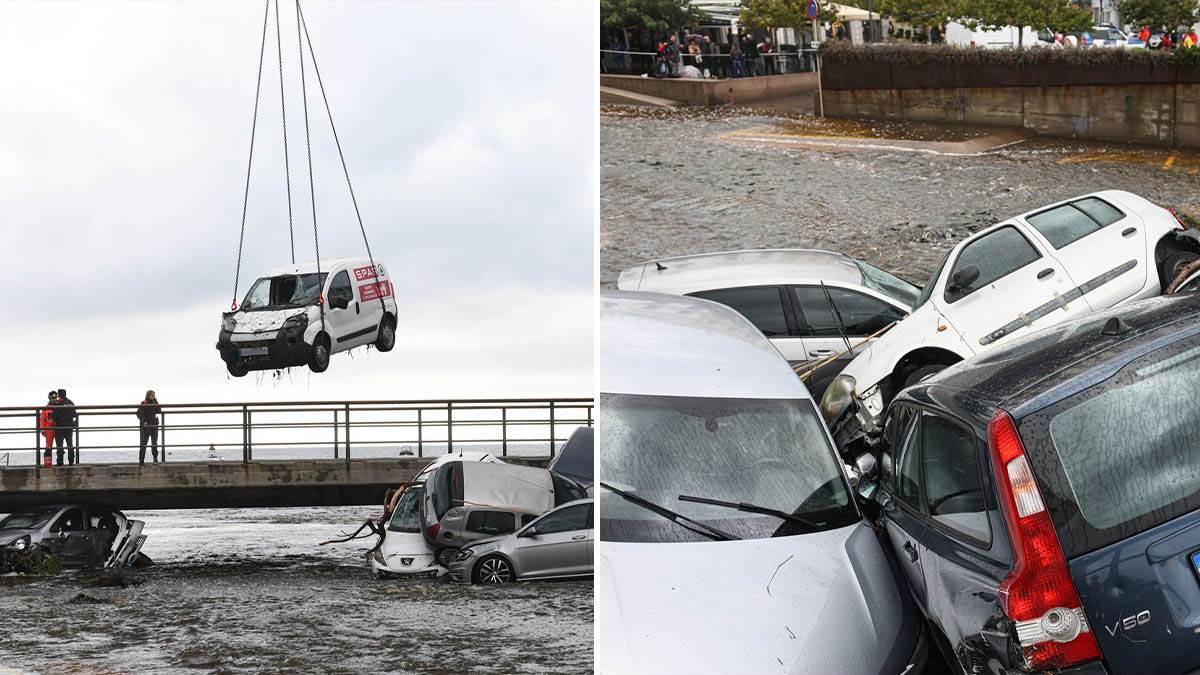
x,y
1116,464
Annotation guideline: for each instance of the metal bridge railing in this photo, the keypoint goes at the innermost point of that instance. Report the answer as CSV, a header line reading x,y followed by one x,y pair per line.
x,y
307,430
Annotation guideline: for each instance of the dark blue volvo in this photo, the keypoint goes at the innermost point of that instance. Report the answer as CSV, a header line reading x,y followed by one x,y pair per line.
x,y
1044,499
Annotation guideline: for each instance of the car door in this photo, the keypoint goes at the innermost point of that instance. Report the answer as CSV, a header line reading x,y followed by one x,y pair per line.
x,y
767,308
859,314
1101,246
345,314
900,498
69,538
371,289
1019,288
555,544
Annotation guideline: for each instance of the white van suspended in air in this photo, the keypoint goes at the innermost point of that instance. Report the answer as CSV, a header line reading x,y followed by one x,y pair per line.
x,y
295,316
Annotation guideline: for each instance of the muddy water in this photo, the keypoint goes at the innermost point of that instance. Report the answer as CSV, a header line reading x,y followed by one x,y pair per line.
x,y
251,591
671,186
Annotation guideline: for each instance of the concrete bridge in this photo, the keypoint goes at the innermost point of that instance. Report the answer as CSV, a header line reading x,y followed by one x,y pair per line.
x,y
265,454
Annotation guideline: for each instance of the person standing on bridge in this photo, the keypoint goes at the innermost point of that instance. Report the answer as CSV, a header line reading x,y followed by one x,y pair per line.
x,y
66,421
46,426
147,413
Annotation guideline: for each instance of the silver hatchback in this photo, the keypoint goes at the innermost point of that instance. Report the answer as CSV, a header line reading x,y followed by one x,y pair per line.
x,y
558,545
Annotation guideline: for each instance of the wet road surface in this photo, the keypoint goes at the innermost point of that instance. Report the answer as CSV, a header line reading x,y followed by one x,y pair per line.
x,y
249,590
670,185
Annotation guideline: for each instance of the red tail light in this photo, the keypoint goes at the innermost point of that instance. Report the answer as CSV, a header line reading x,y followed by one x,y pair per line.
x,y
1038,594
433,530
1182,225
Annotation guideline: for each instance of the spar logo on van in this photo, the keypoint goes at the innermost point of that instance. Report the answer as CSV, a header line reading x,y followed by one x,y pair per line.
x,y
365,273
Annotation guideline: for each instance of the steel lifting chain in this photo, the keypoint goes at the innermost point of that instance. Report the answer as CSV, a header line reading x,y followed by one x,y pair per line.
x,y
250,162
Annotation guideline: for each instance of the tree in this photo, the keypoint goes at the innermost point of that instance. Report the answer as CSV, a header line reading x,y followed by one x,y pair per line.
x,y
1054,14
1168,14
923,13
657,16
783,13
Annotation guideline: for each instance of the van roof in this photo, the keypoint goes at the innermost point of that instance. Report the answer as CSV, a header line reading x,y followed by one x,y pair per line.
x,y
712,271
327,264
670,345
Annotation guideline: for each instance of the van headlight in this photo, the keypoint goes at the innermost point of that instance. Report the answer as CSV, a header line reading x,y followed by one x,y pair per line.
x,y
229,324
837,398
295,324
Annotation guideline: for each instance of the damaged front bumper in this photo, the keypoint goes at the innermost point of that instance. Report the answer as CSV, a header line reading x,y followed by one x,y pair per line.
x,y
408,566
264,350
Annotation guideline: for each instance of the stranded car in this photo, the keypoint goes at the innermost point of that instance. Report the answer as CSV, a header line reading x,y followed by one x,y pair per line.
x,y
468,501
296,316
1037,269
1044,498
812,305
403,552
78,535
729,540
558,545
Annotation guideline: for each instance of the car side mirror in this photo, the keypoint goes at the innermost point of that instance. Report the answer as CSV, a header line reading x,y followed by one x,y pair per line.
x,y
529,532
963,278
865,463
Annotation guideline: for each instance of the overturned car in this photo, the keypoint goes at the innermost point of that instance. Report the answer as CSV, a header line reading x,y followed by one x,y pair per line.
x,y
297,315
79,536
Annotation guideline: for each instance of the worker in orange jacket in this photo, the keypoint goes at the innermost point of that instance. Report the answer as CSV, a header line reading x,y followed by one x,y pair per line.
x,y
46,425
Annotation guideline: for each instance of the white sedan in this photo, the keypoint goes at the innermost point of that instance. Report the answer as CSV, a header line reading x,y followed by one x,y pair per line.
x,y
1037,269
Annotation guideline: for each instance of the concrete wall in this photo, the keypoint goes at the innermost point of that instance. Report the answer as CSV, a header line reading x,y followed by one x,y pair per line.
x,y
715,92
1158,114
172,485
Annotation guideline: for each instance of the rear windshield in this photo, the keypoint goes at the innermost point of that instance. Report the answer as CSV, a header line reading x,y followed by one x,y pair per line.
x,y
575,459
447,488
407,516
1124,451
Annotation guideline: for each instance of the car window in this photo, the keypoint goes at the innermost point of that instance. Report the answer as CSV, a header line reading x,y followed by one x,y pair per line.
x,y
1063,225
492,522
953,491
70,521
861,315
896,430
996,255
908,470
565,520
566,490
762,305
101,520
341,286
527,518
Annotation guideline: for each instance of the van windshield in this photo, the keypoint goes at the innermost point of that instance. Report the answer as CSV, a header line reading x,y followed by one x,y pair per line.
x,y
284,292
407,516
772,453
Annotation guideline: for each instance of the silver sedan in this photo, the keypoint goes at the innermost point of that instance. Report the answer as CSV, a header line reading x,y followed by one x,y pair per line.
x,y
558,545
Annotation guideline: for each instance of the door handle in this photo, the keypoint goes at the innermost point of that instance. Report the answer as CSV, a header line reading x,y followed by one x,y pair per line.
x,y
911,551
356,308
579,537
1128,232
1045,273
822,352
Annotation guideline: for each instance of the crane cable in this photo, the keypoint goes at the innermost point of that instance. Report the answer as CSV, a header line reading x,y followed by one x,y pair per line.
x,y
300,21
287,169
250,162
312,194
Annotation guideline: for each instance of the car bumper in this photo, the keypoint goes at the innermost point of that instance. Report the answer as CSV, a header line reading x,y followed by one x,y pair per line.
x,y
284,350
461,571
419,566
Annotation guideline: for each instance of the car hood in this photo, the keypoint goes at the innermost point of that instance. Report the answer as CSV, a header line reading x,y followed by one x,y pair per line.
x,y
254,322
404,544
489,540
9,536
817,603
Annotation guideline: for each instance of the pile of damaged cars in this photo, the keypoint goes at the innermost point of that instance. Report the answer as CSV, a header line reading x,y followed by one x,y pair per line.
x,y
1026,479
73,535
463,503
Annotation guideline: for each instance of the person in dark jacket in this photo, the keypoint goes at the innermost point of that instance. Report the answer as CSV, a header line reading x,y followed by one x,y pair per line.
x,y
66,422
147,414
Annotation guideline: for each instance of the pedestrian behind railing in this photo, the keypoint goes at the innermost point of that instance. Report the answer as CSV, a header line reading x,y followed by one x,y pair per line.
x,y
711,66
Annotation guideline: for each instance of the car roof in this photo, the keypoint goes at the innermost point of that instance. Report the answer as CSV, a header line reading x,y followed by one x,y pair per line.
x,y
671,345
711,271
1046,366
310,266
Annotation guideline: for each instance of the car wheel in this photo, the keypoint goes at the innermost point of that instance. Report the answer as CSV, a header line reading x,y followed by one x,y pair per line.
x,y
142,560
1175,262
319,361
387,335
1186,274
923,373
446,556
493,570
237,369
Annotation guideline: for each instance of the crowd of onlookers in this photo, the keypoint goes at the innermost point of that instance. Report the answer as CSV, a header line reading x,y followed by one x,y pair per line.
x,y
698,56
58,423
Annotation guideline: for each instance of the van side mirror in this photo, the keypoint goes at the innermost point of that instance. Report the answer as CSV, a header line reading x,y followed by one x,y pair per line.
x,y
963,278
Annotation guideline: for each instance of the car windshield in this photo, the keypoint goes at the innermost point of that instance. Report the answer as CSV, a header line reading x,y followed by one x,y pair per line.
x,y
28,520
927,290
772,453
889,284
407,516
283,292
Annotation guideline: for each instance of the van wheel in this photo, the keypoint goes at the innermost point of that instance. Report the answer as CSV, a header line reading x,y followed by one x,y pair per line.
x,y
387,335
926,371
237,369
493,570
446,556
319,361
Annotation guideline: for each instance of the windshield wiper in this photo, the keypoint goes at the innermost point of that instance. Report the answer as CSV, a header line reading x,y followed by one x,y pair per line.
x,y
753,508
679,519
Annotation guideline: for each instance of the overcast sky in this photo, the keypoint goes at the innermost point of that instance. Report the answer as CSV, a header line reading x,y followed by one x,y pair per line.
x,y
469,129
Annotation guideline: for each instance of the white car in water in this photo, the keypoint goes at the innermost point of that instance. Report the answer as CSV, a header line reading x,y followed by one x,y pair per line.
x,y
403,551
1060,261
297,316
730,541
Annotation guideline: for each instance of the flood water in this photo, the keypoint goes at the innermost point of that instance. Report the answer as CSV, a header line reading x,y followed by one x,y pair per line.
x,y
672,184
250,590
